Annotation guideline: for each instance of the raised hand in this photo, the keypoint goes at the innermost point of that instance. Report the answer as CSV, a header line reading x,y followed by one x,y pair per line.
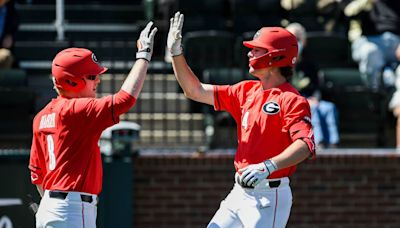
x,y
145,42
174,41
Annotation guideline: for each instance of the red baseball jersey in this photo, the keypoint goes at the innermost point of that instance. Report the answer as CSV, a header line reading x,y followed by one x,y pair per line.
x,y
65,154
268,121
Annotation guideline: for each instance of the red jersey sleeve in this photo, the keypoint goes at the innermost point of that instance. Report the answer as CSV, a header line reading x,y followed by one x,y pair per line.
x,y
226,99
104,111
297,121
123,101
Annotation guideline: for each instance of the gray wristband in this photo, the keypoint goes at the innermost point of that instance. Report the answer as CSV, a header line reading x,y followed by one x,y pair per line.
x,y
270,165
143,55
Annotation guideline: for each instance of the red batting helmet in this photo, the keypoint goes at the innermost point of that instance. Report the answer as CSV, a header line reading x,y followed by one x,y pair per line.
x,y
71,65
280,44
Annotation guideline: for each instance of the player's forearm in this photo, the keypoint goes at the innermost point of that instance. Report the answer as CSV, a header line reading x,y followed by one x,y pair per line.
x,y
186,78
133,84
40,189
297,152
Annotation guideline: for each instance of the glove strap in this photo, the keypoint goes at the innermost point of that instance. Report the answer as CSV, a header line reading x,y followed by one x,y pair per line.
x,y
270,165
144,54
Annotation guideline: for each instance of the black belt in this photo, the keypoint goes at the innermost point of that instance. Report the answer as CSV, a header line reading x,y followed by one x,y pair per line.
x,y
63,195
271,184
274,184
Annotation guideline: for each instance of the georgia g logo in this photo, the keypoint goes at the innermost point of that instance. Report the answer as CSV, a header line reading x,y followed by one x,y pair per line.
x,y
271,108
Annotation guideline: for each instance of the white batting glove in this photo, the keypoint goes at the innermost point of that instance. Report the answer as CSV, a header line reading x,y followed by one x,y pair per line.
x,y
145,42
174,41
254,174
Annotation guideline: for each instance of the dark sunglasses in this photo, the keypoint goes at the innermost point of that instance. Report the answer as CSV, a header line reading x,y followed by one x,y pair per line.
x,y
92,77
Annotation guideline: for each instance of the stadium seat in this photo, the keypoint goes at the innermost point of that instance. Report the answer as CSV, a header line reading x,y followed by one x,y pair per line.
x,y
224,76
208,49
362,113
16,117
17,107
118,50
328,50
248,16
204,15
38,50
341,79
10,78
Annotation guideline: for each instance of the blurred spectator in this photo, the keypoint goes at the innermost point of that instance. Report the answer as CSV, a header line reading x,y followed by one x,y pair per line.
x,y
374,33
8,28
304,12
324,115
317,15
376,46
332,17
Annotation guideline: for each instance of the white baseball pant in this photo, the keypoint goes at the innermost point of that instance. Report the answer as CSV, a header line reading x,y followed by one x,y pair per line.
x,y
262,206
70,212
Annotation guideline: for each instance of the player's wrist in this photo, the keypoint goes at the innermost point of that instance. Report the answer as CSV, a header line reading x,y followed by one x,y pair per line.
x,y
175,51
270,165
143,55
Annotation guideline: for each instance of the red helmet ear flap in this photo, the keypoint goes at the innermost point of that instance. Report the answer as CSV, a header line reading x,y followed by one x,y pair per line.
x,y
70,83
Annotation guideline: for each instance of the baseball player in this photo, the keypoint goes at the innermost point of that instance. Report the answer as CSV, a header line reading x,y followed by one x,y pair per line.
x,y
274,130
65,161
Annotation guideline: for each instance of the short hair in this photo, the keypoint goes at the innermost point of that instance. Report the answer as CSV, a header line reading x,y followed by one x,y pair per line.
x,y
287,72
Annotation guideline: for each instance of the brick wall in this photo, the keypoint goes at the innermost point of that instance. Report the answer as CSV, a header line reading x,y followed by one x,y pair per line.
x,y
336,190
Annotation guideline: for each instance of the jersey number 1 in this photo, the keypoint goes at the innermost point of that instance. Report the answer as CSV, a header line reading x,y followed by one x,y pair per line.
x,y
50,149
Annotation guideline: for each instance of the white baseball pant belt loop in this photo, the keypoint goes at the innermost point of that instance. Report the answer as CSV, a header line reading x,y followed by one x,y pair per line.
x,y
72,196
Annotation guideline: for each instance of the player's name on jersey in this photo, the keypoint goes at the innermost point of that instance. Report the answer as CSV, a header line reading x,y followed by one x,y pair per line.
x,y
48,121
